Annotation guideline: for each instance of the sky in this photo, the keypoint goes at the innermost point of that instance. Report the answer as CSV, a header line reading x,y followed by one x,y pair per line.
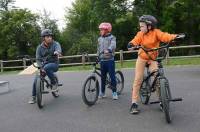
x,y
55,7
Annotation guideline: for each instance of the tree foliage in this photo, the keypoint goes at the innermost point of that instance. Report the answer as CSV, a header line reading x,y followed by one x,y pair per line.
x,y
5,5
47,22
20,29
174,16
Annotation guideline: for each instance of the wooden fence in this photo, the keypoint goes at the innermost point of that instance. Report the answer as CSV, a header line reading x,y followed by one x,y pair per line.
x,y
83,58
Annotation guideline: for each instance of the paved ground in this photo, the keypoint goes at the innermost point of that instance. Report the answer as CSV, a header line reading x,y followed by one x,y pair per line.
x,y
68,113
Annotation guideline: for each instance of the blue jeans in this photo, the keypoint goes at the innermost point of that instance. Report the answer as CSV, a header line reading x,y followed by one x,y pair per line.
x,y
108,67
49,68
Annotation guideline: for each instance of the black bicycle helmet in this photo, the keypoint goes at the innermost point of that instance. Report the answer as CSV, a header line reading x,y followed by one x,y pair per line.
x,y
149,20
46,32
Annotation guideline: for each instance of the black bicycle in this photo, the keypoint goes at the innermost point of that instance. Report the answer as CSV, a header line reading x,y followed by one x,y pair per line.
x,y
157,81
90,90
43,85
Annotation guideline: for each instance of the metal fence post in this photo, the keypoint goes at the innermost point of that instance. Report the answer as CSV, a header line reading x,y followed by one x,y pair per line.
x,y
1,65
121,58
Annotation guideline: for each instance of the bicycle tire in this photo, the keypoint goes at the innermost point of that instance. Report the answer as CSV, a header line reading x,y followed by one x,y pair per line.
x,y
56,94
165,95
145,92
39,89
87,90
119,82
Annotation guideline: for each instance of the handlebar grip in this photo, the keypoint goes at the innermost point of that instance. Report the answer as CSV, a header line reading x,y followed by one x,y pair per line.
x,y
137,47
129,45
132,46
180,36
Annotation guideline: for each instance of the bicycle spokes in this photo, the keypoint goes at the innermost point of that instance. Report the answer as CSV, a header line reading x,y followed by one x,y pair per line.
x,y
90,91
91,86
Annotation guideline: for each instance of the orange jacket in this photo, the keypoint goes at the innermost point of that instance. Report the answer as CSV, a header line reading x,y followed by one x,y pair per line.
x,y
150,40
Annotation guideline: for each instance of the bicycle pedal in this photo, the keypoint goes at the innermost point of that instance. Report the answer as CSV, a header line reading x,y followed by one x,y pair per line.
x,y
60,85
45,92
155,102
176,99
56,90
153,90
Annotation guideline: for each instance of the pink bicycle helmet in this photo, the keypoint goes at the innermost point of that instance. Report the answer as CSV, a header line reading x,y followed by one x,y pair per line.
x,y
106,26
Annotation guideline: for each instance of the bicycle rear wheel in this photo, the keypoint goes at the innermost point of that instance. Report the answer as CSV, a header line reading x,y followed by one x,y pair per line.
x,y
145,92
56,94
119,82
39,89
165,96
90,91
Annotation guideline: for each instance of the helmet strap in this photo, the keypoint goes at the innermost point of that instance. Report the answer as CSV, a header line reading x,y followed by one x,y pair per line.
x,y
148,28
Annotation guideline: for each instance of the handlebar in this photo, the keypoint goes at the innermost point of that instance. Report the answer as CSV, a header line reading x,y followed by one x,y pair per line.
x,y
147,50
88,58
43,59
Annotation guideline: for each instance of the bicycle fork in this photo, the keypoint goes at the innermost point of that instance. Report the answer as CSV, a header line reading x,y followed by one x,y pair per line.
x,y
171,99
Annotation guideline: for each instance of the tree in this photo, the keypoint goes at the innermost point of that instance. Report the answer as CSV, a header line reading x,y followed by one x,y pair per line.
x,y
47,22
85,16
6,4
18,31
183,16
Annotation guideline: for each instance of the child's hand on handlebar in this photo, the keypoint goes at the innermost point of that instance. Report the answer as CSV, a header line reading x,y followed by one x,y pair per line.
x,y
131,47
57,53
180,36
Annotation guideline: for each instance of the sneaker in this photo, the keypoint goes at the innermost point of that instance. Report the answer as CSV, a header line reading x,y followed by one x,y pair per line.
x,y
161,106
102,95
134,109
114,95
32,100
54,88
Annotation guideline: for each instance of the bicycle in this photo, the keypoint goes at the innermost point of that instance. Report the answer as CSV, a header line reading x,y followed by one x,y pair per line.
x,y
43,85
157,81
90,90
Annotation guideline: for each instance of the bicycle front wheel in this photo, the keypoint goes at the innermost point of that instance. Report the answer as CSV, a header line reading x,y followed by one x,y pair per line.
x,y
56,94
39,89
165,96
90,91
145,92
119,82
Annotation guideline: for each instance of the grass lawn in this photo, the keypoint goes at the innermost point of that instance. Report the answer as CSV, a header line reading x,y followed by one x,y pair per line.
x,y
131,64
128,64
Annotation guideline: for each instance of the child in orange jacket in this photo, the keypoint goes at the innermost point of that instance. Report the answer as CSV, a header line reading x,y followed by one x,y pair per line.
x,y
149,37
